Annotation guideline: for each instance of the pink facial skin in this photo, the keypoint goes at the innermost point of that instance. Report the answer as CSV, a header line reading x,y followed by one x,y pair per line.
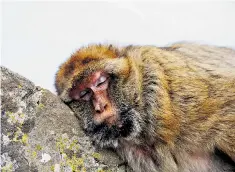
x,y
94,89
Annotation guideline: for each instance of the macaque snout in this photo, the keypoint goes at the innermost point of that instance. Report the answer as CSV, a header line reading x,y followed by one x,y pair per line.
x,y
104,111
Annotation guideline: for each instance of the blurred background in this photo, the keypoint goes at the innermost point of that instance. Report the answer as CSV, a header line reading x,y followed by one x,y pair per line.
x,y
38,36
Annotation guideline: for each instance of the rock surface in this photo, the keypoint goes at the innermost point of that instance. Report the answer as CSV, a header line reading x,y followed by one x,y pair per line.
x,y
41,134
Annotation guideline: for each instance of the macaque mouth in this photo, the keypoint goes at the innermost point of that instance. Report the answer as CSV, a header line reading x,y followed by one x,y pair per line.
x,y
102,133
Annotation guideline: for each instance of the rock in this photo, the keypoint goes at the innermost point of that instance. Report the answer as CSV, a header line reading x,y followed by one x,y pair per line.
x,y
41,134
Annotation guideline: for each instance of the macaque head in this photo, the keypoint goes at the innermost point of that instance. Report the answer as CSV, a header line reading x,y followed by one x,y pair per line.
x,y
95,82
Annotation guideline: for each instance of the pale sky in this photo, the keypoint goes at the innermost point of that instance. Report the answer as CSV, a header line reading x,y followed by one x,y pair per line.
x,y
38,36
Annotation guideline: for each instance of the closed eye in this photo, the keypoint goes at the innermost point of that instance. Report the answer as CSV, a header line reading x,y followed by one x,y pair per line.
x,y
83,93
101,81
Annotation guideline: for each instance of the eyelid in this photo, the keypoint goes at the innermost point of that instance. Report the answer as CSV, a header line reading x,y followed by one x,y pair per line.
x,y
84,93
102,79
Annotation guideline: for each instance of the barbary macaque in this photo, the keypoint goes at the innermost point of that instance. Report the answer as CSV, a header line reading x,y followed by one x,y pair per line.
x,y
162,109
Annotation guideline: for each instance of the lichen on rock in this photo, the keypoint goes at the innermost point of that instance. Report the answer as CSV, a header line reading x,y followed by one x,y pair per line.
x,y
41,134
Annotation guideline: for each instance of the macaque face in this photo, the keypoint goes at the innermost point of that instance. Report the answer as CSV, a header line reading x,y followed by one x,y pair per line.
x,y
108,122
94,89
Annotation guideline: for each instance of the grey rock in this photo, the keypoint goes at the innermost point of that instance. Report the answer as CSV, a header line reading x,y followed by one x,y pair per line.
x,y
41,134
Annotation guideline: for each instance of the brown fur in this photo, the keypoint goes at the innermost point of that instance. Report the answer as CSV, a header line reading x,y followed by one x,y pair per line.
x,y
184,95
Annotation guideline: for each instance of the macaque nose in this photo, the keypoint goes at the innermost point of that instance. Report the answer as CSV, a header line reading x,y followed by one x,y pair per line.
x,y
104,111
100,108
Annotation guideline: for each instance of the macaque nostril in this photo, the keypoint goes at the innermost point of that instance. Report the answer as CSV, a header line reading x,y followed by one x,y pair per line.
x,y
98,111
101,109
105,107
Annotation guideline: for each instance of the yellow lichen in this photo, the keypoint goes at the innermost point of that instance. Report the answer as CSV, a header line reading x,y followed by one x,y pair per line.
x,y
83,169
25,139
100,170
16,135
52,168
43,91
8,113
96,155
34,154
22,115
7,168
38,147
75,163
41,106
74,146
12,117
60,144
